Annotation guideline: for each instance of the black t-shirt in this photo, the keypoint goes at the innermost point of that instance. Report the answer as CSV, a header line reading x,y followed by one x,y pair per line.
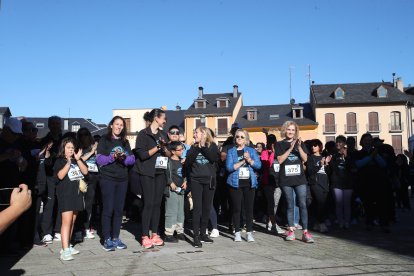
x,y
176,172
340,172
73,171
242,182
317,174
291,170
117,170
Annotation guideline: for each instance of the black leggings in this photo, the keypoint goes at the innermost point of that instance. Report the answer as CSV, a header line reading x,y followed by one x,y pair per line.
x,y
89,198
320,198
202,200
245,195
152,194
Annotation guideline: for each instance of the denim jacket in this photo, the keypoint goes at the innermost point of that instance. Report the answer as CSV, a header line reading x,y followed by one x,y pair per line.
x,y
232,157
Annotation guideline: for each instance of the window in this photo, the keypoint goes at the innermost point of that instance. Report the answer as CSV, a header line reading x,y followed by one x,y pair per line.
x,y
252,114
351,125
221,103
382,92
395,119
40,125
200,104
397,143
329,126
222,126
329,138
274,117
75,127
199,123
297,113
128,124
339,93
373,124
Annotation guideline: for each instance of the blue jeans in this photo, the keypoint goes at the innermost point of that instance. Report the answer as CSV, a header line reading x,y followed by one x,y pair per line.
x,y
296,215
301,197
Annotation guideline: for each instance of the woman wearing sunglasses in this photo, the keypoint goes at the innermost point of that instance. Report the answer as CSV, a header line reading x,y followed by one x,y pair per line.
x,y
241,163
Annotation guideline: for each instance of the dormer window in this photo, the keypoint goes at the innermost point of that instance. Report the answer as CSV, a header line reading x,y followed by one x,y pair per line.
x,y
222,102
339,94
382,92
297,112
252,114
200,103
75,127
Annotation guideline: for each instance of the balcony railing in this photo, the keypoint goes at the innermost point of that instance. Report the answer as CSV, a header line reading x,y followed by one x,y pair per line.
x,y
222,131
329,129
374,128
351,128
396,127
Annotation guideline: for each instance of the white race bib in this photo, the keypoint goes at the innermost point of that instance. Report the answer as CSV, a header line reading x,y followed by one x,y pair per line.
x,y
276,167
92,167
75,173
244,173
161,162
291,170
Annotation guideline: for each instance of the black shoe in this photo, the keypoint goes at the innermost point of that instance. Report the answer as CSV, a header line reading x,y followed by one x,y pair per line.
x,y
171,239
206,239
197,243
181,237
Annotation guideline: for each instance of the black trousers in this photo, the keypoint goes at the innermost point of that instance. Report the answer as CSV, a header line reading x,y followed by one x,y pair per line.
x,y
242,198
319,200
50,209
203,196
153,192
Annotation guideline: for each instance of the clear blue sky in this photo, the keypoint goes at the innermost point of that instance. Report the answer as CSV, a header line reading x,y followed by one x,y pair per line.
x,y
95,55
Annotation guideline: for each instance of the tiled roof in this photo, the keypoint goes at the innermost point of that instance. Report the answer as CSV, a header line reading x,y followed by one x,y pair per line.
x,y
357,93
5,111
284,113
211,105
175,117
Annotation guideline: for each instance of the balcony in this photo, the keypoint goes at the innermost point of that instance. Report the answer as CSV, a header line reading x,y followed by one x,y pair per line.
x,y
222,131
329,129
374,128
396,128
351,129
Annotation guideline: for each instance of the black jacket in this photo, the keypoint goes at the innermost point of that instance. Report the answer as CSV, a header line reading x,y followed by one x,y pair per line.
x,y
201,162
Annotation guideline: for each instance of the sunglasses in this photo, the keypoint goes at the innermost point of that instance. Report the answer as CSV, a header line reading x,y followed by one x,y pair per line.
x,y
174,132
240,137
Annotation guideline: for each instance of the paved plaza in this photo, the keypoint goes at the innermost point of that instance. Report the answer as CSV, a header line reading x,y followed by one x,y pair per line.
x,y
353,252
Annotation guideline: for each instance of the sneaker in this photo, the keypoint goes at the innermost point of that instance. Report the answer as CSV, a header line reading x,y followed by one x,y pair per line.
x,y
197,243
72,250
181,237
214,233
57,237
147,242
269,226
250,237
170,238
89,234
40,244
156,240
323,228
118,244
244,229
290,236
307,237
237,237
47,239
206,239
66,255
298,227
279,230
108,245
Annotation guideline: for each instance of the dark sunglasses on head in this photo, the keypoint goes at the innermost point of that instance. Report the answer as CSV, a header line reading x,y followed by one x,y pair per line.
x,y
241,137
174,132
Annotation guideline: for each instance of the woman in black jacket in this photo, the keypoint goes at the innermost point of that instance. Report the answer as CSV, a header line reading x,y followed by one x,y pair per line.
x,y
201,165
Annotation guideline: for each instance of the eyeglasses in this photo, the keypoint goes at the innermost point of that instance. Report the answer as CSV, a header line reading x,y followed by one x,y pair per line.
x,y
239,137
175,132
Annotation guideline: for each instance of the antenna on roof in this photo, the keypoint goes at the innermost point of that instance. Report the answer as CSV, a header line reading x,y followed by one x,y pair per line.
x,y
309,75
69,113
290,82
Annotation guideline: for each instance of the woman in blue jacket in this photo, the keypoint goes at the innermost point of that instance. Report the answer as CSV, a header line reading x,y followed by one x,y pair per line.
x,y
241,163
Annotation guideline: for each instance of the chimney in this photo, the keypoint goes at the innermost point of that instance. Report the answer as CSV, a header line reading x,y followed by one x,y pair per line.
x,y
235,91
399,84
200,92
66,124
177,107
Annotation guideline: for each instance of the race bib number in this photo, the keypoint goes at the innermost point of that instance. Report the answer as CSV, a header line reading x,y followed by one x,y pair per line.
x,y
92,167
276,167
244,173
161,162
291,170
75,173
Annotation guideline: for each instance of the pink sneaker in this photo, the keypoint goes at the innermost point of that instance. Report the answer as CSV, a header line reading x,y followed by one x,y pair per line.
x,y
290,236
156,240
307,237
147,242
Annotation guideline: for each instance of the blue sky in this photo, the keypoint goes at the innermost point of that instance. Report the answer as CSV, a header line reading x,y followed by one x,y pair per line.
x,y
96,55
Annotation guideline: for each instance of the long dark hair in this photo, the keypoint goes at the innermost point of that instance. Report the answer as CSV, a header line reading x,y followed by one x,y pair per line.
x,y
65,141
89,141
123,133
155,113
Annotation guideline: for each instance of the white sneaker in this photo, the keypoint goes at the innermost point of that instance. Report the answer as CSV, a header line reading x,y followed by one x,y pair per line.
x,y
72,250
66,255
237,237
279,230
57,237
214,233
47,239
89,234
250,237
269,226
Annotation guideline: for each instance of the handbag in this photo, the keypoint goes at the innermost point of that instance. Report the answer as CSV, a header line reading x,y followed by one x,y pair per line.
x,y
83,186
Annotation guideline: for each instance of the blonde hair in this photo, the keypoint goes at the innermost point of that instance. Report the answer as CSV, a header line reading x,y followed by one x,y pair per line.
x,y
246,136
285,126
207,133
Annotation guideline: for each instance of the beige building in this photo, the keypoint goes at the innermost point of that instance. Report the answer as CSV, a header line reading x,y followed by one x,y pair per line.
x,y
381,109
134,121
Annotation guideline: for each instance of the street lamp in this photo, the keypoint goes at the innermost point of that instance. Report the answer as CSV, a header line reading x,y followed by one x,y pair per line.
x,y
203,119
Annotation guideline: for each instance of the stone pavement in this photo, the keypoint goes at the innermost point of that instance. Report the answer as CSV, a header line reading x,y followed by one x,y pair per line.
x,y
340,252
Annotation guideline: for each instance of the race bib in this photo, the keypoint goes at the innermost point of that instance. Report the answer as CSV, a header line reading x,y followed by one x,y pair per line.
x,y
161,162
92,167
291,170
276,167
75,173
244,173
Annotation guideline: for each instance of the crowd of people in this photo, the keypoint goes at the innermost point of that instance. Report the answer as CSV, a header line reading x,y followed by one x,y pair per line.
x,y
76,184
